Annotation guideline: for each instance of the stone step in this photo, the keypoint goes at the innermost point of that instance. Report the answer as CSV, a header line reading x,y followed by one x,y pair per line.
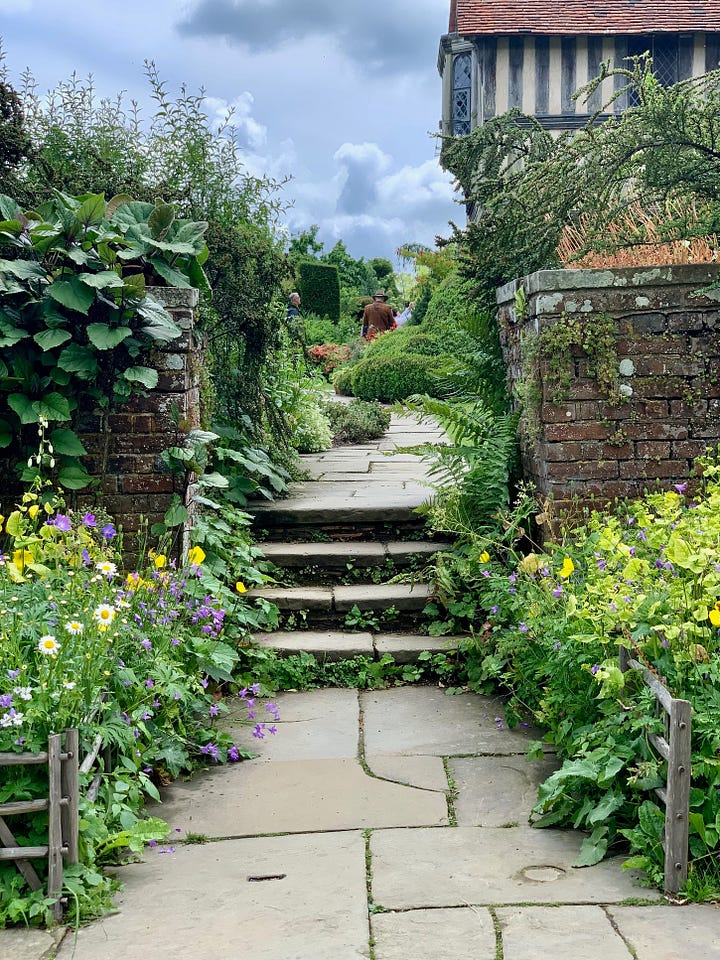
x,y
340,556
341,645
330,604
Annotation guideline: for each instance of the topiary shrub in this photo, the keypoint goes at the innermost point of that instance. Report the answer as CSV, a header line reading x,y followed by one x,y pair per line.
x,y
357,421
392,378
342,381
319,287
451,303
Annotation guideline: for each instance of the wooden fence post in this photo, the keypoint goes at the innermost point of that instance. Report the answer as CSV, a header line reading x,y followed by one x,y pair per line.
x,y
70,789
678,797
55,863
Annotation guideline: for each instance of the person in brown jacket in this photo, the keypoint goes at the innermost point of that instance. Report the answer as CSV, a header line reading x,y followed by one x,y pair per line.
x,y
377,316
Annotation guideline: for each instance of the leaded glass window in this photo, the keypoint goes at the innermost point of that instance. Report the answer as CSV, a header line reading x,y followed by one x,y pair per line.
x,y
664,53
461,94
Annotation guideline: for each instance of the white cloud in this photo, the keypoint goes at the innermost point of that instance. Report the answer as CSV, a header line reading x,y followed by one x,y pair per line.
x,y
238,114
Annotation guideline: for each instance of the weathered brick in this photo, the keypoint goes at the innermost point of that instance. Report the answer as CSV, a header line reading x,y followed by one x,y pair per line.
x,y
559,412
577,450
148,483
687,409
654,469
584,430
613,451
585,390
687,322
688,449
652,449
656,430
660,386
584,470
640,323
662,343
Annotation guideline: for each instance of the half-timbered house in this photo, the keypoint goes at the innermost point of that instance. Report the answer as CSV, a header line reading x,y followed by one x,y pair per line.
x,y
533,55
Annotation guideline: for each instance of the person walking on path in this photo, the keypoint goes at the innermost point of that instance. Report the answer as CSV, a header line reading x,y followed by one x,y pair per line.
x,y
377,316
293,309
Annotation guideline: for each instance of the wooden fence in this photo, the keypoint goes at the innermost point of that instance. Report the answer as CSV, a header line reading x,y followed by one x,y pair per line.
x,y
674,747
62,807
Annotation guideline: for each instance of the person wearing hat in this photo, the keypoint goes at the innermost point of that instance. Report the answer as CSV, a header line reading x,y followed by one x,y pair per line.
x,y
377,316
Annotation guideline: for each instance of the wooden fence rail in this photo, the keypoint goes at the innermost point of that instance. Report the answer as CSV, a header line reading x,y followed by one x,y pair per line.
x,y
674,748
62,807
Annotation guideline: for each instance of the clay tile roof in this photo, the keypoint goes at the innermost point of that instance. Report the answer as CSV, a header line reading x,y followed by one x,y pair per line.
x,y
567,17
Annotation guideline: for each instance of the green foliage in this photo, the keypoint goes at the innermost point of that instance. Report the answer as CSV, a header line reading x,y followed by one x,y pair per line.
x,y
76,319
357,421
142,660
392,378
15,144
318,330
342,380
644,576
319,287
473,474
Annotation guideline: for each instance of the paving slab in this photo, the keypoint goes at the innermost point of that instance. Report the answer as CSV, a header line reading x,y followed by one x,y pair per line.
x,y
424,720
476,865
402,549
402,596
201,902
295,598
316,725
31,944
330,645
425,772
295,796
435,935
405,647
563,933
360,554
497,791
691,932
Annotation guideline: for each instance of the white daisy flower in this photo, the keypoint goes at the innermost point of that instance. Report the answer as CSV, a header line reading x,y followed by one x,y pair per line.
x,y
104,614
48,644
74,627
106,567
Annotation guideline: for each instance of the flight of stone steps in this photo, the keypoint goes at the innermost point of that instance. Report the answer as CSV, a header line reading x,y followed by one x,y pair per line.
x,y
337,541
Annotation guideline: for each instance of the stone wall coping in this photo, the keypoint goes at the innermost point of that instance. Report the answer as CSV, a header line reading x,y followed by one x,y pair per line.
x,y
176,296
553,281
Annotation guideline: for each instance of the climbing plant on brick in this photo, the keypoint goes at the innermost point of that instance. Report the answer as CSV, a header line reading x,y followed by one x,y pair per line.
x,y
77,324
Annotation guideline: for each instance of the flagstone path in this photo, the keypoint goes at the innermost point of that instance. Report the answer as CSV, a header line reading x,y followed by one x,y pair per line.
x,y
387,825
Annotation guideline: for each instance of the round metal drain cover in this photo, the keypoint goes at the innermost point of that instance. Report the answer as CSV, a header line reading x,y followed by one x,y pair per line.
x,y
542,874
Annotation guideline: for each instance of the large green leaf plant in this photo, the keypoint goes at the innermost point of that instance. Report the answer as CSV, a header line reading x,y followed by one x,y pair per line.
x,y
77,321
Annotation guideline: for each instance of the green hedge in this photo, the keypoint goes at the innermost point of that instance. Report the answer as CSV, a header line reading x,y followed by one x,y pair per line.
x,y
392,378
319,288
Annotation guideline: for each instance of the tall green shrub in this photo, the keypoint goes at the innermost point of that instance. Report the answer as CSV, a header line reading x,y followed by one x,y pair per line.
x,y
319,287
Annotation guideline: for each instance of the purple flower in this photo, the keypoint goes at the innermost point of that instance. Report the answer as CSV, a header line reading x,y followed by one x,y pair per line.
x,y
601,564
149,683
145,715
486,574
512,578
494,609
272,730
167,850
680,487
259,731
146,644
557,592
108,531
594,669
204,683
175,641
86,558
556,646
523,627
214,710
6,700
210,750
147,770
60,522
152,843
233,754
641,535
89,520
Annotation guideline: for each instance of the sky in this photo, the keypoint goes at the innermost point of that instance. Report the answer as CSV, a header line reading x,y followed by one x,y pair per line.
x,y
342,95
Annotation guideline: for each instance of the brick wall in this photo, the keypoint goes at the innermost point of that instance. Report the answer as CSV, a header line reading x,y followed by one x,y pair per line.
x,y
587,444
133,481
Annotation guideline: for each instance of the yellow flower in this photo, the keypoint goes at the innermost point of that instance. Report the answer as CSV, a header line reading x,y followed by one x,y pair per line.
x,y
2,521
529,564
715,617
568,568
160,560
21,558
240,587
196,555
484,556
33,511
